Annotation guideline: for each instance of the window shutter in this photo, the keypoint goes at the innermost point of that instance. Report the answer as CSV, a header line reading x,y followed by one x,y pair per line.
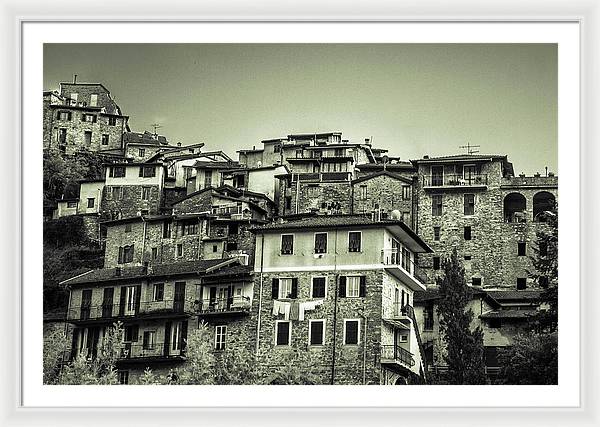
x,y
294,294
74,343
184,328
363,286
111,172
120,257
167,338
122,301
94,119
138,295
342,286
141,171
69,116
83,117
145,340
275,289
135,331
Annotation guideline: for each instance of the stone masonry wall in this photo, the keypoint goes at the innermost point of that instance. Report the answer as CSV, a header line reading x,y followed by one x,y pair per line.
x,y
131,204
323,197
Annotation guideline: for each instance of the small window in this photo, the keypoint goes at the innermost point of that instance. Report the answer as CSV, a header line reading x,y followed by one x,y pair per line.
x,y
112,121
117,171
64,115
90,202
141,152
467,232
469,204
158,292
147,171
146,193
149,340
71,204
521,283
154,254
90,118
436,205
354,241
282,332
104,139
316,332
220,337
276,148
436,262
353,286
93,100
363,192
436,233
125,254
406,192
320,243
313,192
468,257
124,377
179,250
288,202
190,227
521,249
351,328
286,289
167,230
318,287
476,281
287,244
87,137
214,248
543,249
128,228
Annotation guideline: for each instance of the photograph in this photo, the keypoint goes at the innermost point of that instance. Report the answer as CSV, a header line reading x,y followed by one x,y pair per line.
x,y
342,214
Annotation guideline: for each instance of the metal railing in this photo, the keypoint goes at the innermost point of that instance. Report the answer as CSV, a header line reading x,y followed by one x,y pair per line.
x,y
224,305
455,180
109,311
322,176
101,311
396,257
167,306
156,349
403,310
398,354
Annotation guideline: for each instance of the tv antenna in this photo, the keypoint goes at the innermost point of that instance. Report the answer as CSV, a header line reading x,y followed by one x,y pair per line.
x,y
471,149
155,126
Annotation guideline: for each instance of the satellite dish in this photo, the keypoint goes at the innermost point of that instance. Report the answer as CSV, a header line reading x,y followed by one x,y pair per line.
x,y
395,214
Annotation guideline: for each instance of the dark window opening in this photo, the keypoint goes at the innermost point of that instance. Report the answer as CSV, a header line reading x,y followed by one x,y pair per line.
x,y
287,244
436,205
521,248
467,232
521,283
318,287
436,262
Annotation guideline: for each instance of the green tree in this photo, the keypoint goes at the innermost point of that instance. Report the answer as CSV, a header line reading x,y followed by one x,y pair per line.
x,y
295,368
236,367
464,347
532,359
55,346
200,361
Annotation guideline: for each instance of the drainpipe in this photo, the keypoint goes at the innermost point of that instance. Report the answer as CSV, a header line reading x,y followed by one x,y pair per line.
x,y
144,241
297,192
365,351
262,257
334,308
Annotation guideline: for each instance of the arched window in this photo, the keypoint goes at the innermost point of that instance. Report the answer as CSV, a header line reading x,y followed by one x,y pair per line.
x,y
542,202
514,207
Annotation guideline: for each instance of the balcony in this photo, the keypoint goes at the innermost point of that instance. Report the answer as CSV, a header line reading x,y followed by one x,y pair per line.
x,y
110,312
455,181
150,352
402,266
166,308
403,311
96,312
237,305
396,355
322,176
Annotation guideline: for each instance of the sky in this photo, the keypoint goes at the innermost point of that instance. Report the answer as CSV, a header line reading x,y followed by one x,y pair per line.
x,y
413,99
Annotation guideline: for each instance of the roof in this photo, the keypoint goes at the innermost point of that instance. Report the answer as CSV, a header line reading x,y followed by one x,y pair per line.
x,y
511,295
157,270
231,271
136,218
508,314
388,166
83,181
382,173
145,138
396,324
216,165
341,221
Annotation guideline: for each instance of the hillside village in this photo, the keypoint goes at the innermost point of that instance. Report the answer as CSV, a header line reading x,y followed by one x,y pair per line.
x,y
311,242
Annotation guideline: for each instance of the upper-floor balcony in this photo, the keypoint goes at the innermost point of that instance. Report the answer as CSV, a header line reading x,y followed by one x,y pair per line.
x,y
322,176
395,355
401,265
88,313
455,181
235,305
150,352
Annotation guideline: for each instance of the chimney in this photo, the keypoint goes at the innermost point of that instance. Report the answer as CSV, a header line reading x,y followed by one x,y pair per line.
x,y
367,140
537,174
521,175
74,78
426,156
179,144
550,173
118,272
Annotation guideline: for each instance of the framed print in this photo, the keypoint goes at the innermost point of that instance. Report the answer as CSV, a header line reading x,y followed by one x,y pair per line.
x,y
253,217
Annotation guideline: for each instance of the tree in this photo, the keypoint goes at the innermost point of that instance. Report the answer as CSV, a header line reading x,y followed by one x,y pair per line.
x,y
296,368
236,367
199,366
464,347
532,359
55,346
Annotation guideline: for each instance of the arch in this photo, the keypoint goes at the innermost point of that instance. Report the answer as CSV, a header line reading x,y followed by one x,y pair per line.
x,y
543,202
515,205
401,381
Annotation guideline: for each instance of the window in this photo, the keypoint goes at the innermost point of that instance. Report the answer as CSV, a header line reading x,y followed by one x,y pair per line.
x,y
354,241
406,192
287,244
149,340
141,152
167,230
220,335
543,249
495,323
154,254
130,333
282,332
285,288
288,202
112,121
316,332
476,281
93,100
363,192
128,228
351,328
117,171
104,139
90,118
158,293
214,248
87,137
437,176
468,257
125,254
146,193
428,317
207,179
467,232
469,204
276,148
147,171
436,205
521,248
62,136
543,281
179,250
320,243
313,191
71,204
436,233
436,262
124,377
74,96
353,286
64,115
404,338
90,202
318,287
521,283
190,227
299,154
233,228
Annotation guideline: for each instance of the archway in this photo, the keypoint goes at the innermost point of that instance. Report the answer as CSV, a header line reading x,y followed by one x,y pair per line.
x,y
514,207
542,203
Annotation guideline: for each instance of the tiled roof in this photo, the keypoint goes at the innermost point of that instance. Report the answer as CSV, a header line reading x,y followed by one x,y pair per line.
x,y
382,173
231,270
508,314
157,270
216,165
433,293
512,295
460,157
144,138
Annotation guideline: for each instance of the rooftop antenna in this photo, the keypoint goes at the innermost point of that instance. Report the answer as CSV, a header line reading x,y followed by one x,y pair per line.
x,y
471,149
155,126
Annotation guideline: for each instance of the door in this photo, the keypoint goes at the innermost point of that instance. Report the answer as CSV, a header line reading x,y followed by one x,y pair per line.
x,y
469,173
437,176
175,339
107,302
179,298
222,299
212,298
86,303
130,300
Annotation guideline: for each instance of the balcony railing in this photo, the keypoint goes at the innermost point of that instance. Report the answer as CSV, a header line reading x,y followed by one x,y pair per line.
x,y
167,306
397,354
149,350
322,176
225,305
455,180
395,257
403,310
102,311
110,311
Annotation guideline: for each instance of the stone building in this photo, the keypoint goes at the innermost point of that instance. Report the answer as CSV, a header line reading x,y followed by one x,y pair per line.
x,y
83,117
340,288
475,203
157,305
